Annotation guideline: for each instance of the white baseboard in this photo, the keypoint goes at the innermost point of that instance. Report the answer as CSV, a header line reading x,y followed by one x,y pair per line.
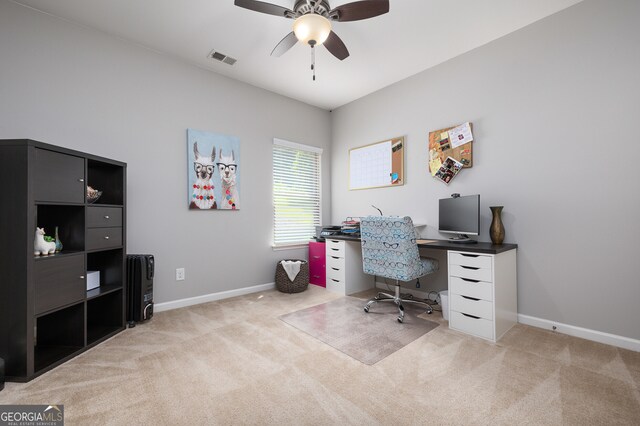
x,y
571,330
181,303
584,333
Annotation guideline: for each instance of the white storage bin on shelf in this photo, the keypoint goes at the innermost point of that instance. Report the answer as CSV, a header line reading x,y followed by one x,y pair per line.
x,y
93,280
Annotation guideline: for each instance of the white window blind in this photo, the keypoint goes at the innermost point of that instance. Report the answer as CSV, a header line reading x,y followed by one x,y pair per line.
x,y
296,192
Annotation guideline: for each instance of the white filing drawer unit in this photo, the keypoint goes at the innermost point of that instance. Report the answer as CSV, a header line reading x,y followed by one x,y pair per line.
x,y
483,298
344,267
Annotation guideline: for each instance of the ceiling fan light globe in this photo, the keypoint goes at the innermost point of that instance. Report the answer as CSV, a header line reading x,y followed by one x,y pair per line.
x,y
312,27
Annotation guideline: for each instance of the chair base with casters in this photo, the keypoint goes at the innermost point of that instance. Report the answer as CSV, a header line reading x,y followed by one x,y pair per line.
x,y
390,250
398,299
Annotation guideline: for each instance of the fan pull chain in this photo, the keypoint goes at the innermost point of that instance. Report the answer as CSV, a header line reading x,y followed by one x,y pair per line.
x,y
313,62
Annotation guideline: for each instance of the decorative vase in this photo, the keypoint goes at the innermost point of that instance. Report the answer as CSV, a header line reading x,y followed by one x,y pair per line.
x,y
58,242
496,231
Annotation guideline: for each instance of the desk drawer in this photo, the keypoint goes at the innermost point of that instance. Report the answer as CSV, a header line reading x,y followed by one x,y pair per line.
x,y
471,272
335,248
473,288
470,259
103,238
104,217
477,326
335,262
337,273
316,250
335,285
317,275
475,307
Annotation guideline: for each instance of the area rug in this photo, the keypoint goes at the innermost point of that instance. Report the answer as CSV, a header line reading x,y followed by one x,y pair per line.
x,y
369,338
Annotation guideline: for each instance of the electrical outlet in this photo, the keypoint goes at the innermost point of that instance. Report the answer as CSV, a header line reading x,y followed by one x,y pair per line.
x,y
180,274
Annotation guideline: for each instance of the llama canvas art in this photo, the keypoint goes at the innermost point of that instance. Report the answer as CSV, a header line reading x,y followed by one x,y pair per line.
x,y
213,164
203,197
228,169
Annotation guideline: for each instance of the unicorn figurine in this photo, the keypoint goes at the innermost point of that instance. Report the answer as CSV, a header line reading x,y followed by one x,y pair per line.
x,y
42,247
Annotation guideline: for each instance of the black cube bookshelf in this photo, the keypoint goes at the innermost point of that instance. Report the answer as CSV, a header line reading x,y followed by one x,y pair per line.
x,y
47,316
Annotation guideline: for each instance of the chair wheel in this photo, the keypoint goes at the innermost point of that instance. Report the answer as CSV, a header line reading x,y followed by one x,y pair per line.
x,y
366,309
400,319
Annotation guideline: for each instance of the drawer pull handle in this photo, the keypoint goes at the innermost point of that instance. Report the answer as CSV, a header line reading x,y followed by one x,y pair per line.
x,y
470,280
106,237
82,277
470,316
469,255
337,281
335,269
334,257
316,257
81,180
316,276
471,298
334,249
107,217
469,267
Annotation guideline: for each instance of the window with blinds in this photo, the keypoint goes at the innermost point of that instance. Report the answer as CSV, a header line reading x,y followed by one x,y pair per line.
x,y
296,192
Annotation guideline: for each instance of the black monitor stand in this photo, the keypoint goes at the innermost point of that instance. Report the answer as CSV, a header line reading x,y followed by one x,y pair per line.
x,y
462,239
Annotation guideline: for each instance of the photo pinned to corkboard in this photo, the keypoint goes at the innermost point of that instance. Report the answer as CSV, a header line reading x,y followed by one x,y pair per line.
x,y
451,143
448,170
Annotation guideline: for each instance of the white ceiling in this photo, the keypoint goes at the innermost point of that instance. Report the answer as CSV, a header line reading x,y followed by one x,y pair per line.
x,y
413,36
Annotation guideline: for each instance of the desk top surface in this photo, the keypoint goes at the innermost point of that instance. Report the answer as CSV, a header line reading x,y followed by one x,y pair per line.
x,y
479,247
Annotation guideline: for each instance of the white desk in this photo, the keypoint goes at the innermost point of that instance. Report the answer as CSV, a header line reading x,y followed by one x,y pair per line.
x,y
344,268
482,281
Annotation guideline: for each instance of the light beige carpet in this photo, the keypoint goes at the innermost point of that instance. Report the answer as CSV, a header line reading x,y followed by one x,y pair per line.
x,y
367,337
234,362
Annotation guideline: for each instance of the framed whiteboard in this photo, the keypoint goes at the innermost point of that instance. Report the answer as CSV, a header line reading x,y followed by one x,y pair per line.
x,y
377,165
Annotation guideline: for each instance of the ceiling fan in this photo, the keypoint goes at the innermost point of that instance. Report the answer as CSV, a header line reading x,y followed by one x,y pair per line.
x,y
312,21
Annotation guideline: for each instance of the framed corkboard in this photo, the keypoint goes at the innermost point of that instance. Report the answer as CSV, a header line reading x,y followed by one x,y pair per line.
x,y
377,165
439,149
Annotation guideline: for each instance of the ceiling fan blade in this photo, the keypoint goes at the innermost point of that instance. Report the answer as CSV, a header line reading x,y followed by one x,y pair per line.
x,y
360,10
285,44
260,6
336,47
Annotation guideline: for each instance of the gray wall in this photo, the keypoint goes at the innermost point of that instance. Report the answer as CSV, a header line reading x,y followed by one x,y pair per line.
x,y
555,108
77,88
550,105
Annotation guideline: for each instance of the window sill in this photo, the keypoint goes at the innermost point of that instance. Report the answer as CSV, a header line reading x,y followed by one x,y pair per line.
x,y
290,247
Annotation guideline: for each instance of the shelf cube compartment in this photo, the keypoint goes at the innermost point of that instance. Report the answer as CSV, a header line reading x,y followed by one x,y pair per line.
x,y
104,316
58,335
107,178
68,219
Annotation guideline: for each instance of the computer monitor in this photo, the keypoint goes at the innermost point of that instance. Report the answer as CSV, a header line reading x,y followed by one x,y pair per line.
x,y
461,216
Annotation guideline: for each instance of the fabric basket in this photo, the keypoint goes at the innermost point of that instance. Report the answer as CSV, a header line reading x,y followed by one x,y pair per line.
x,y
299,284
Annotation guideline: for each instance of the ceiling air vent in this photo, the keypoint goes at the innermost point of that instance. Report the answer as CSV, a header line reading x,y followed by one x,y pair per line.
x,y
222,57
